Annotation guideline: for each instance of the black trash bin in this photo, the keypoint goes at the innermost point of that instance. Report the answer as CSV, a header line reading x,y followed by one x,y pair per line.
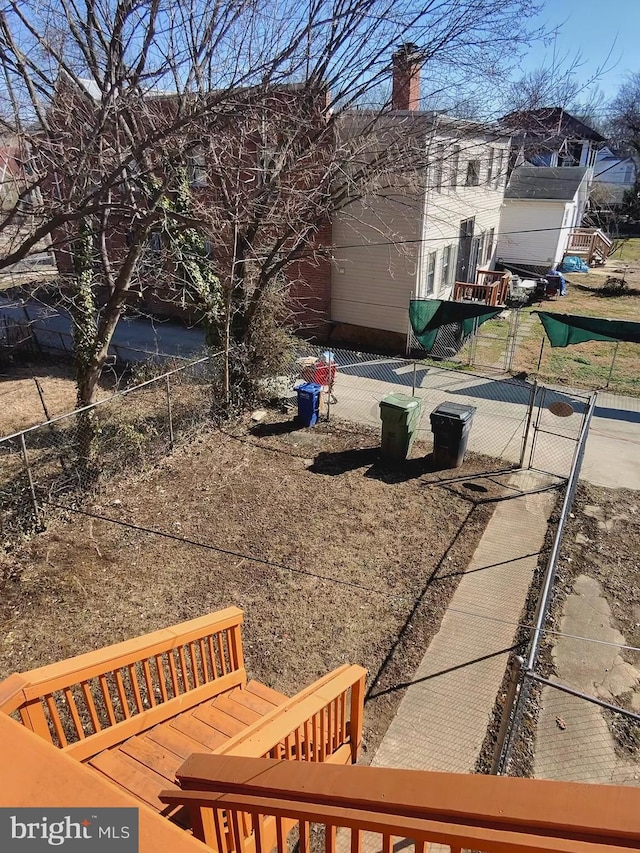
x,y
450,425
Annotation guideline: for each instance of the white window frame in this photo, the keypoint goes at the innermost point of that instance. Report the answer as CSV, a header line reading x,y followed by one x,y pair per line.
x,y
473,177
437,170
432,264
455,167
490,165
197,167
499,167
488,249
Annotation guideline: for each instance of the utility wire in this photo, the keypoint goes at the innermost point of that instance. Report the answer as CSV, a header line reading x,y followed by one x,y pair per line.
x,y
329,578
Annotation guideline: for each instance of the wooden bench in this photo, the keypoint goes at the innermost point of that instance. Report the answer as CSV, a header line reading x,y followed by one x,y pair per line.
x,y
136,710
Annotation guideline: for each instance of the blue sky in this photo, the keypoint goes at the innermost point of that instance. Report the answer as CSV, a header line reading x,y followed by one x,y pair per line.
x,y
592,27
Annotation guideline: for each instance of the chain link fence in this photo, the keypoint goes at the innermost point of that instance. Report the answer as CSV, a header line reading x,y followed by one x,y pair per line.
x,y
569,707
128,430
514,342
515,423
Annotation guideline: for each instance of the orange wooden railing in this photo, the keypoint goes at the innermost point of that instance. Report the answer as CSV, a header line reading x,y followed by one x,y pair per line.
x,y
88,703
37,775
250,804
321,724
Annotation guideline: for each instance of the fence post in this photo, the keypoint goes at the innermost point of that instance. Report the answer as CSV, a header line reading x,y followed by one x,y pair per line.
x,y
27,466
169,413
413,384
507,712
42,402
525,437
613,361
540,356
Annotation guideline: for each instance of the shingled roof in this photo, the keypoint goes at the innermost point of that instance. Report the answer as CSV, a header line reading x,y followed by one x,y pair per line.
x,y
545,182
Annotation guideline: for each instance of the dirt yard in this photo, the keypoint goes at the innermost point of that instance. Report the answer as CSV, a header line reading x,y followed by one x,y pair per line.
x,y
603,542
333,555
20,404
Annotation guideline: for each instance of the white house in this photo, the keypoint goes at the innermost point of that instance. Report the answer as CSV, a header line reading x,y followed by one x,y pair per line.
x,y
541,207
424,228
612,177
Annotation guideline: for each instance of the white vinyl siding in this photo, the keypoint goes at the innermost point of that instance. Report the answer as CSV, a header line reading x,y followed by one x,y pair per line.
x,y
372,281
531,232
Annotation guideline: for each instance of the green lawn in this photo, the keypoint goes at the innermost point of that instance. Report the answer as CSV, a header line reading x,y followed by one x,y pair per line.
x,y
627,250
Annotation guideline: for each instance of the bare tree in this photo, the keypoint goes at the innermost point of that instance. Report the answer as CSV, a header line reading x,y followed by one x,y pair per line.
x,y
112,99
624,116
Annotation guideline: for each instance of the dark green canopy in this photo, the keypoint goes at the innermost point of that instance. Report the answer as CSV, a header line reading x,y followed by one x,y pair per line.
x,y
428,315
565,329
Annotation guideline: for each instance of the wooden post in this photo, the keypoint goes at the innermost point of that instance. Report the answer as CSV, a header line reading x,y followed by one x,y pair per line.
x,y
169,414
25,459
356,718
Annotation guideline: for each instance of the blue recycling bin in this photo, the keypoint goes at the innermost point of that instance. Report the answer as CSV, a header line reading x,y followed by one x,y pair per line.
x,y
309,403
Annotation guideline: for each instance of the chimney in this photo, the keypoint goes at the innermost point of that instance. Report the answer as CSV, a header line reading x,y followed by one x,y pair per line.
x,y
406,78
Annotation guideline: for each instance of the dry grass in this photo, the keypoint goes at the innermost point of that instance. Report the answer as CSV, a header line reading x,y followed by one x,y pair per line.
x,y
333,555
588,365
20,405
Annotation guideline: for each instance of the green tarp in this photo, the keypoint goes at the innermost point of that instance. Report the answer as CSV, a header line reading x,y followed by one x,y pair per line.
x,y
428,315
565,329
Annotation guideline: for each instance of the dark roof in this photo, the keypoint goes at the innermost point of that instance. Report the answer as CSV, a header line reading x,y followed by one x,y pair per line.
x,y
545,182
551,120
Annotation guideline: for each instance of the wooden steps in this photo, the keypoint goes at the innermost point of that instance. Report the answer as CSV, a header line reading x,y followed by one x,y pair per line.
x,y
146,764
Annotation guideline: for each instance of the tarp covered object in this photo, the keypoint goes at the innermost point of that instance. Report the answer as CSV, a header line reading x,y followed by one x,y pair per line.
x,y
565,329
428,315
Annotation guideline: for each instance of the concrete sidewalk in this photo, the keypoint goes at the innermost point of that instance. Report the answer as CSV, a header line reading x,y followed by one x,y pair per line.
x,y
612,455
442,719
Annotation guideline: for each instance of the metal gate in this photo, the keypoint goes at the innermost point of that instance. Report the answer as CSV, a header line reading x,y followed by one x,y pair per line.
x,y
557,420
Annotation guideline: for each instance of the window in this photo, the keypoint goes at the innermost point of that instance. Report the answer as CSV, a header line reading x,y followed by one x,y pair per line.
x,y
197,168
431,272
489,245
473,173
490,166
497,179
628,175
437,168
446,271
455,166
266,163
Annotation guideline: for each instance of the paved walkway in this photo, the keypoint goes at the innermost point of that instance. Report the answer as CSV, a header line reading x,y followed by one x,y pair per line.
x,y
442,719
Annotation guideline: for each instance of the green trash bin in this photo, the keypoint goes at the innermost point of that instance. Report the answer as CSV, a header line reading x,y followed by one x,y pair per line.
x,y
400,415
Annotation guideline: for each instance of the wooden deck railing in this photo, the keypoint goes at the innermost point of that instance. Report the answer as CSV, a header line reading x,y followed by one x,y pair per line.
x,y
590,243
90,702
250,805
469,292
322,724
491,287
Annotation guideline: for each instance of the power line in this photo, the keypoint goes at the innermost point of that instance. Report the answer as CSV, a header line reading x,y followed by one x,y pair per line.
x,y
328,578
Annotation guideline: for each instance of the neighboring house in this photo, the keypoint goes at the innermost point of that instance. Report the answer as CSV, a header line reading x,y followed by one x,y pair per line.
x,y
550,136
541,207
420,232
612,177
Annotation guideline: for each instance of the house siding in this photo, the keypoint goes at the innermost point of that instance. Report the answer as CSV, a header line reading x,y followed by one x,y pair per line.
x,y
393,239
532,232
376,260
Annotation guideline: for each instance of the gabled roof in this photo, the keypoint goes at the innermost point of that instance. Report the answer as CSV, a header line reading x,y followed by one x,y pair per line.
x,y
545,182
550,120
